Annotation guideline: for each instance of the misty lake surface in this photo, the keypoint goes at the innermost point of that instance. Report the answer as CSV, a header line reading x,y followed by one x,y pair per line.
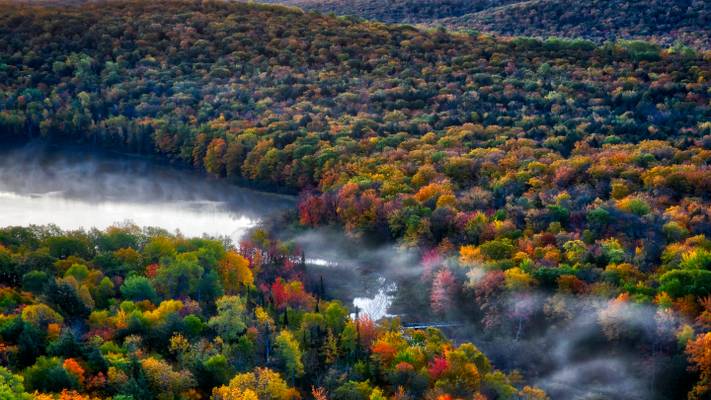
x,y
78,188
82,189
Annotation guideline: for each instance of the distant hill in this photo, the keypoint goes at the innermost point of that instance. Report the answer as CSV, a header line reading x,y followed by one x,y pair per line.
x,y
401,11
661,21
664,22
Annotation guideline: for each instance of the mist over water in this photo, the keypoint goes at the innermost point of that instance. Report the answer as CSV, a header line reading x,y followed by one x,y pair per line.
x,y
73,189
572,358
363,275
567,354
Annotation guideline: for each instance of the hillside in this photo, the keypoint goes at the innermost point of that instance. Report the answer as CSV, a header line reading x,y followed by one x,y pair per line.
x,y
397,11
664,22
549,173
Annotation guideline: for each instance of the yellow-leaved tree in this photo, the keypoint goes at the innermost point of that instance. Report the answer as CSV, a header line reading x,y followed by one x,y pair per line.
x,y
234,272
262,384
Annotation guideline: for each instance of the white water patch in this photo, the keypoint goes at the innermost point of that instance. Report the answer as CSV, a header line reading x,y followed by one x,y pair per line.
x,y
321,262
76,189
186,217
377,306
374,306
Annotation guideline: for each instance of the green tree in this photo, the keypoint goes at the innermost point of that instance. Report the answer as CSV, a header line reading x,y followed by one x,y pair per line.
x,y
136,288
11,387
353,390
679,283
229,322
48,375
180,276
289,352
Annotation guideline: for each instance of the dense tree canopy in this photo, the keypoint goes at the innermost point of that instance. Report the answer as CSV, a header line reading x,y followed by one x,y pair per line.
x,y
664,22
171,345
399,11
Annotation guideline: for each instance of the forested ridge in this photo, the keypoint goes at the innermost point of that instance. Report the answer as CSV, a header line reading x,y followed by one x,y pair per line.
x,y
396,11
512,165
665,22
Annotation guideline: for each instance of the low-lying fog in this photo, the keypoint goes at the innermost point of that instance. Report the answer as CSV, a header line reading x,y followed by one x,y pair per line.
x,y
569,354
83,189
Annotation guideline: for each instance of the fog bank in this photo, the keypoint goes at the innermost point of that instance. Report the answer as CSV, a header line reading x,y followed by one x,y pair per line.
x,y
76,188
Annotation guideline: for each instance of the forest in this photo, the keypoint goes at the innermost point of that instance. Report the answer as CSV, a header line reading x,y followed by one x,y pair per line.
x,y
665,22
395,11
536,179
681,22
134,313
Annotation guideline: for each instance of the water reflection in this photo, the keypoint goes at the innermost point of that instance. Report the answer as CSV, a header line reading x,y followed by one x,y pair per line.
x,y
75,189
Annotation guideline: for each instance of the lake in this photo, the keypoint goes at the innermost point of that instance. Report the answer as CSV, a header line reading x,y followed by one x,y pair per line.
x,y
76,188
